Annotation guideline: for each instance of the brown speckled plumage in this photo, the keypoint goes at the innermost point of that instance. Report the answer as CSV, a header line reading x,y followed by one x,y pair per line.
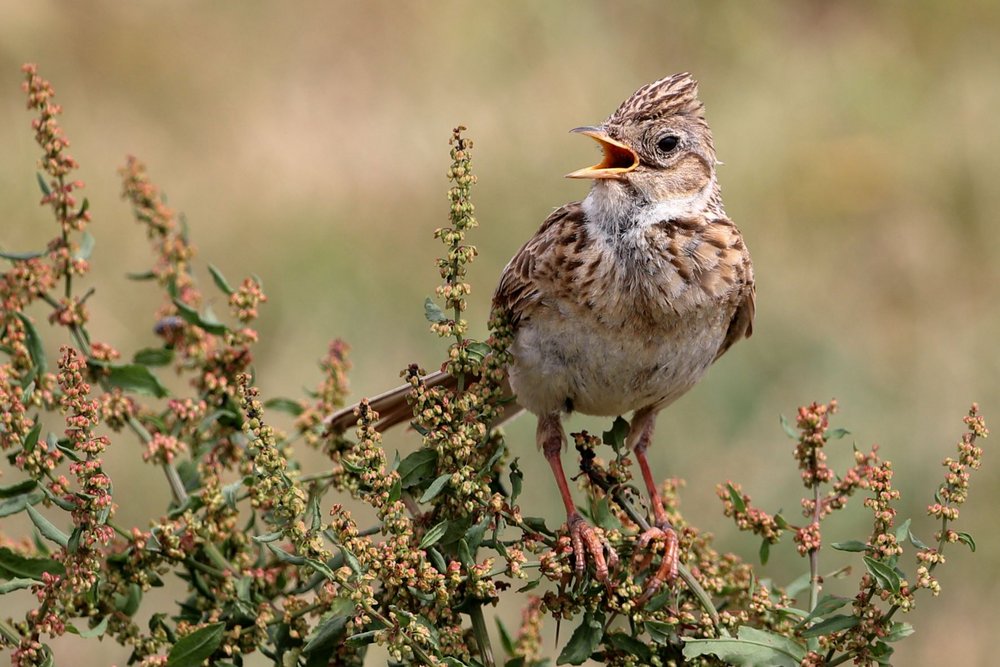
x,y
622,301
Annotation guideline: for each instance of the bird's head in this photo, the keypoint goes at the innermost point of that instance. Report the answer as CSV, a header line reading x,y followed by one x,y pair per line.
x,y
657,145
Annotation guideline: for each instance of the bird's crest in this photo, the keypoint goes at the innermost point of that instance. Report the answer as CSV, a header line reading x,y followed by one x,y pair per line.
x,y
673,95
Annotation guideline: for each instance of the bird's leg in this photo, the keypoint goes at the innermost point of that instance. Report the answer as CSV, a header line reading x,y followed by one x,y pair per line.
x,y
639,436
584,539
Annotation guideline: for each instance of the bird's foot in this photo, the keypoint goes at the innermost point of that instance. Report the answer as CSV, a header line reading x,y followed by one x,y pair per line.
x,y
667,571
586,542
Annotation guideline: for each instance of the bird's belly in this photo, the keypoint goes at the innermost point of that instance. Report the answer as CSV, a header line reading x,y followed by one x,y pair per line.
x,y
563,363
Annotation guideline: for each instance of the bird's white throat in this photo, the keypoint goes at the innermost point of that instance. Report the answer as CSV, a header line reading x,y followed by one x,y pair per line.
x,y
614,210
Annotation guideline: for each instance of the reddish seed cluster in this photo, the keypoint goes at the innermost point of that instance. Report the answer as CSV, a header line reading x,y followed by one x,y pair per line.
x,y
244,301
813,421
56,162
748,518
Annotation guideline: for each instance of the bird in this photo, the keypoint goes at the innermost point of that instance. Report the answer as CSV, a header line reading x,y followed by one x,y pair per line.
x,y
620,302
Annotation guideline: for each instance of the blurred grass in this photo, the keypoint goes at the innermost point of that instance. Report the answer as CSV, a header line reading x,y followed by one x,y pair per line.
x,y
307,145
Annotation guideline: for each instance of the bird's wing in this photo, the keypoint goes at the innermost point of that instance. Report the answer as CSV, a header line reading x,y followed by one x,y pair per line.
x,y
522,284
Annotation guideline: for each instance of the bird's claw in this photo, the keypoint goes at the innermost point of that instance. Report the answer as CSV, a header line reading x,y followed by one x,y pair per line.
x,y
667,571
586,542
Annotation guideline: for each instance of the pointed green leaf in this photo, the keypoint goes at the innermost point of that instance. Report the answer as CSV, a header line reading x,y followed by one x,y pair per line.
x,y
286,405
434,534
21,256
850,545
34,344
86,246
193,649
583,643
885,576
47,528
435,488
14,565
615,437
134,378
751,648
788,428
191,316
42,185
154,356
417,467
965,538
899,631
220,280
765,551
738,503
831,625
837,433
96,631
432,311
17,584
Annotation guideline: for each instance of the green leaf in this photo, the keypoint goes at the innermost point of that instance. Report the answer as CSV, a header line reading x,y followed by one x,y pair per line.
x,y
434,534
154,356
831,625
477,351
506,641
96,631
14,565
516,481
600,511
965,538
899,630
42,185
327,632
659,632
916,541
435,488
46,528
837,433
191,316
765,551
885,576
475,535
16,504
788,428
140,276
220,280
285,556
465,554
135,378
738,503
31,439
583,643
432,311
86,246
286,405
901,531
630,646
192,650
850,545
21,256
751,648
615,437
826,604
16,585
34,343
417,467
128,603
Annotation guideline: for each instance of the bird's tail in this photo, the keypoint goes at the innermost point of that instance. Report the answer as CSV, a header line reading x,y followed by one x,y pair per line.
x,y
393,408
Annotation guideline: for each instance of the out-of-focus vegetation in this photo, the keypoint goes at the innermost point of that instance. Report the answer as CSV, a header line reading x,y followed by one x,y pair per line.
x,y
305,145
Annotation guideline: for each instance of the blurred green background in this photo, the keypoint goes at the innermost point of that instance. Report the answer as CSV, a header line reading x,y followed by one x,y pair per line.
x,y
306,143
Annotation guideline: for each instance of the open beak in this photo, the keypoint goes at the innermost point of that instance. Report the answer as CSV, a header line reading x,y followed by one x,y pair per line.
x,y
618,158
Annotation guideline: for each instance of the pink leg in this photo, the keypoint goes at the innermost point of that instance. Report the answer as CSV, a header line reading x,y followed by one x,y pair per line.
x,y
639,438
584,538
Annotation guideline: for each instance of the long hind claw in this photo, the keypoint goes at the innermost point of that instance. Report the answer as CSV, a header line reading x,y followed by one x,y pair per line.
x,y
586,543
667,571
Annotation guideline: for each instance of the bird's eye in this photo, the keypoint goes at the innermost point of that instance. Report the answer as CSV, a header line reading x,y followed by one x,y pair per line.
x,y
667,143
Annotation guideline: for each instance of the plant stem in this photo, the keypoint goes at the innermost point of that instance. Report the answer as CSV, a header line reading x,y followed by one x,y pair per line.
x,y
814,555
482,635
